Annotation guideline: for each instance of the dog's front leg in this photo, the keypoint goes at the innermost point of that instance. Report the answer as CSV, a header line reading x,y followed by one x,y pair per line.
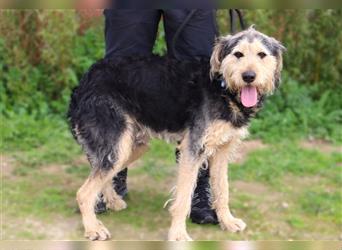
x,y
189,165
219,181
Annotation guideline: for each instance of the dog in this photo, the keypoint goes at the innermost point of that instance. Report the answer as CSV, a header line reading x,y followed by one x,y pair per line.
x,y
205,105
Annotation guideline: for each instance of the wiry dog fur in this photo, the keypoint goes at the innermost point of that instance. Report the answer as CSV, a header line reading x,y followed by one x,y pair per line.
x,y
119,105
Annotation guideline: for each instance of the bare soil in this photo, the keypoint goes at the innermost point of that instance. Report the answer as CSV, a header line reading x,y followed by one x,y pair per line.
x,y
7,165
321,145
267,202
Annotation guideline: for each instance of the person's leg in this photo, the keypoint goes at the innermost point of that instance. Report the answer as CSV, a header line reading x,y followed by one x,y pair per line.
x,y
195,40
130,32
127,33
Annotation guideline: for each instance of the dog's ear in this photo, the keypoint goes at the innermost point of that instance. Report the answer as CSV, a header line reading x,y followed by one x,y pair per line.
x,y
277,45
217,55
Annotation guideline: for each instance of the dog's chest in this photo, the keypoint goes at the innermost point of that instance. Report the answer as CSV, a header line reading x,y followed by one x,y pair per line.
x,y
145,134
220,133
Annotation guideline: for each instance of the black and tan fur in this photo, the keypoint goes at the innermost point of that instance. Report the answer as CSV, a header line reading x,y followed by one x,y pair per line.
x,y
120,105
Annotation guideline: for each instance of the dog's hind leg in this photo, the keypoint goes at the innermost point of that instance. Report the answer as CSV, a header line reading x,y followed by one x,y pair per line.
x,y
86,198
112,200
189,164
110,197
100,176
137,152
219,181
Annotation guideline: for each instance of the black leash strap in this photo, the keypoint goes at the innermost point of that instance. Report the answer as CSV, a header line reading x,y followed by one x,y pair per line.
x,y
179,30
233,14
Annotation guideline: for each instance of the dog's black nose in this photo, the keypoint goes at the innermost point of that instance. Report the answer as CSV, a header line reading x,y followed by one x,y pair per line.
x,y
248,76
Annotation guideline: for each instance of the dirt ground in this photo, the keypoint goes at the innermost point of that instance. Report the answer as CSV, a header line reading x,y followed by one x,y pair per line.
x,y
260,205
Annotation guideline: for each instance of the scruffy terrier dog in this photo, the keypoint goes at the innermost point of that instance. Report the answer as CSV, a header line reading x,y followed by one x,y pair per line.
x,y
119,105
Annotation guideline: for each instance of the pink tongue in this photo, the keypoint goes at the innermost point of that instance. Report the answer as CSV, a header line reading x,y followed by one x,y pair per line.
x,y
249,96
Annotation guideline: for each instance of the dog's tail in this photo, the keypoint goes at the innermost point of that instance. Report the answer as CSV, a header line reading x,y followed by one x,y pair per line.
x,y
95,120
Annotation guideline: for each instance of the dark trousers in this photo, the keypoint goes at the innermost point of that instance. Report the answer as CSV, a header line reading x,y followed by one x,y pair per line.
x,y
133,32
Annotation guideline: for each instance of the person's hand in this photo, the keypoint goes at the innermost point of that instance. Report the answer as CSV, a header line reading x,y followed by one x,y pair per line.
x,y
91,8
90,13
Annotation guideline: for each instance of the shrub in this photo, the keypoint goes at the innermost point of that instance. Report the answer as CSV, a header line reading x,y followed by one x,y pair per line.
x,y
46,58
43,54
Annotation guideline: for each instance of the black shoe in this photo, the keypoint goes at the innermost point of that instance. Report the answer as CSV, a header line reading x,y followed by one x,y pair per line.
x,y
120,187
120,183
100,206
201,211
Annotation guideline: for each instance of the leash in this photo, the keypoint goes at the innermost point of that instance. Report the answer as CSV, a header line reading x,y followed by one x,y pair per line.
x,y
179,30
232,17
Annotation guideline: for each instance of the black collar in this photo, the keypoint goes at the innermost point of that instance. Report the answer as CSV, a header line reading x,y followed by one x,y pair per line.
x,y
220,81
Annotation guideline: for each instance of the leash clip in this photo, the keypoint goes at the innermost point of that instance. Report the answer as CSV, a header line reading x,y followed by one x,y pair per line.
x,y
221,81
223,84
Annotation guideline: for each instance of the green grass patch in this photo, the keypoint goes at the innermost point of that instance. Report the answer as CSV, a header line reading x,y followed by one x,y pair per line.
x,y
159,161
46,176
34,142
145,209
29,234
42,198
80,171
296,222
323,204
270,164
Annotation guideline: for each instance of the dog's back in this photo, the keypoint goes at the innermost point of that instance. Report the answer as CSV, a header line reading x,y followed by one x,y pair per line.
x,y
158,92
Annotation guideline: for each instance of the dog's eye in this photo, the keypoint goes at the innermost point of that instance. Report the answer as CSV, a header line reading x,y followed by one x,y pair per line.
x,y
261,55
238,54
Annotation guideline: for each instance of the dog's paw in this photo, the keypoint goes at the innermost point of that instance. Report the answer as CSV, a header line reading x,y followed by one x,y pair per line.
x,y
116,204
233,224
97,232
178,236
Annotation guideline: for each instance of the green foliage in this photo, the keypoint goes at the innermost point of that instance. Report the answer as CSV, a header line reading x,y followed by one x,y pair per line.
x,y
43,54
160,44
292,112
46,59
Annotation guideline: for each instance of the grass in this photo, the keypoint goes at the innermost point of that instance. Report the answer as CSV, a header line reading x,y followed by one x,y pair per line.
x,y
143,206
270,164
282,190
40,138
324,204
42,197
45,178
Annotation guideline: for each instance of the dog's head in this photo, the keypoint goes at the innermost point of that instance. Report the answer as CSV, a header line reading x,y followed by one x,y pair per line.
x,y
250,64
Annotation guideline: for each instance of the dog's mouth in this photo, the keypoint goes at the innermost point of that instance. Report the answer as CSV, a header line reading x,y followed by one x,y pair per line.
x,y
249,96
